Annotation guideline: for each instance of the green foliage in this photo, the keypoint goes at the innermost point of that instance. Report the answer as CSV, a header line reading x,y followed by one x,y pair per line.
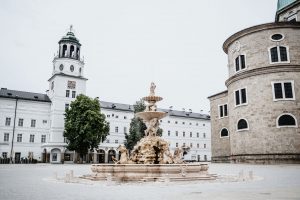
x,y
137,127
85,125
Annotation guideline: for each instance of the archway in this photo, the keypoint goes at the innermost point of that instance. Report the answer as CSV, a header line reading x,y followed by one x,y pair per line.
x,y
111,153
55,156
44,156
100,156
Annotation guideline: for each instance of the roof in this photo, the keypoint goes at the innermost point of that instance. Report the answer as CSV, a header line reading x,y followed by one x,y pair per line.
x,y
68,75
175,113
15,94
284,3
257,28
219,93
116,106
69,37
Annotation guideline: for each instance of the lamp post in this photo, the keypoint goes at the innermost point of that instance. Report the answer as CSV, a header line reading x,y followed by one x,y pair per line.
x,y
14,127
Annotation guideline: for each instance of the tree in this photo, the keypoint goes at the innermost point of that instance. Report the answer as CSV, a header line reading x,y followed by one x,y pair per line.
x,y
85,125
137,127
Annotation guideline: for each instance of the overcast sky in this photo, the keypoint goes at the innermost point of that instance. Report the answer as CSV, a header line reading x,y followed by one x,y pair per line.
x,y
128,44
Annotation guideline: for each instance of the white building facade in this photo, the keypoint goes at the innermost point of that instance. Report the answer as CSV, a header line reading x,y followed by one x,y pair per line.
x,y
32,124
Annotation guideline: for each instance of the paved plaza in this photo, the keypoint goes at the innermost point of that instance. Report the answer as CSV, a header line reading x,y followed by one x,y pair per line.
x,y
38,182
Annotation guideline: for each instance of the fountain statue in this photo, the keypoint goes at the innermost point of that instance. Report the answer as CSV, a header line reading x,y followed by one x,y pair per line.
x,y
151,158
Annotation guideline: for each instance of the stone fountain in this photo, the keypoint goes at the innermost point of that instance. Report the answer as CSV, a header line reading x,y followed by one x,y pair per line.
x,y
151,158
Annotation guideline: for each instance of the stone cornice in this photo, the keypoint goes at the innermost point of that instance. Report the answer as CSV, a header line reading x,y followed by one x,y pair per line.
x,y
224,93
258,28
262,70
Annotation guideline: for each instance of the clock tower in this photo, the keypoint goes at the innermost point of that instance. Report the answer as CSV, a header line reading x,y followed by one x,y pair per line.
x,y
67,81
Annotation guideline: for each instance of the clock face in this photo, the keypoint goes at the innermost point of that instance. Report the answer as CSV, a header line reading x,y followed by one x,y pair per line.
x,y
61,67
71,68
71,85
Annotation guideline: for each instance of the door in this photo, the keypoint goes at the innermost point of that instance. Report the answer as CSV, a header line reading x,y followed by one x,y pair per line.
x,y
17,157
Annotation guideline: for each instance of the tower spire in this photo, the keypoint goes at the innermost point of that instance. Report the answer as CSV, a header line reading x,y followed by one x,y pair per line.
x,y
71,28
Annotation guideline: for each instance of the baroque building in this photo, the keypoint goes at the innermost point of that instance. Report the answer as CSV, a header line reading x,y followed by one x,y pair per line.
x,y
257,118
32,124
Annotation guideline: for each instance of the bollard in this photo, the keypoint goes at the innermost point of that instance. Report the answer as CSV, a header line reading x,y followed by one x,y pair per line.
x,y
241,175
71,174
55,175
251,175
67,178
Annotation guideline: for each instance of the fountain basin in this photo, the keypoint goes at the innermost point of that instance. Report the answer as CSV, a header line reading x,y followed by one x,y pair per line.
x,y
148,115
151,172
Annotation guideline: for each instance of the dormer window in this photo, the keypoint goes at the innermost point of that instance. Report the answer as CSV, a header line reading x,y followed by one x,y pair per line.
x,y
240,63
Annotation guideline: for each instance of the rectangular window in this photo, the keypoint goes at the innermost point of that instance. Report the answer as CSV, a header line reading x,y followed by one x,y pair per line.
x,y
6,137
283,54
43,139
176,133
176,144
197,134
191,145
191,134
240,63
125,117
198,145
44,121
116,141
283,90
31,139
240,97
73,94
183,134
204,135
125,129
4,154
183,122
223,112
67,106
204,146
205,157
183,144
108,116
19,138
67,93
279,54
243,95
21,121
116,129
176,122
107,141
33,122
7,121
169,133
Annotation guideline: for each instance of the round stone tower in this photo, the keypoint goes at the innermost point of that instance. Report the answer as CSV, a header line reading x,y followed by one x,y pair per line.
x,y
257,118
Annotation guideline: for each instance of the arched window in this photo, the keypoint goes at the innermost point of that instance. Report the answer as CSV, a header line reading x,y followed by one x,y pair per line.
x,y
242,125
64,51
224,132
72,52
286,120
78,53
278,54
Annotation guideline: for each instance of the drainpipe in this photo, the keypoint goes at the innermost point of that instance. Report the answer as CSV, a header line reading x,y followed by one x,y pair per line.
x,y
13,136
